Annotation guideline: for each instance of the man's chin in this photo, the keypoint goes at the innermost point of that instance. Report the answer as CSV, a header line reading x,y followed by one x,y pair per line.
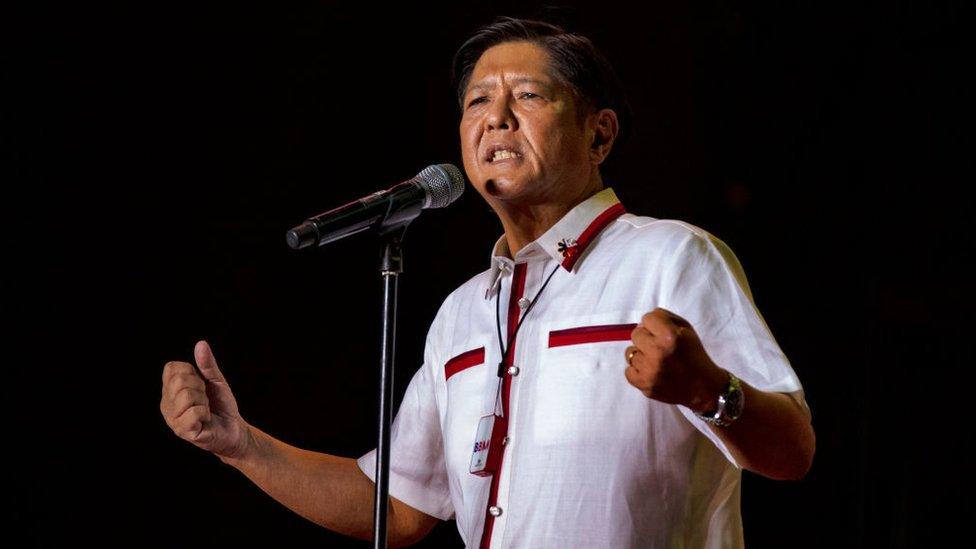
x,y
504,189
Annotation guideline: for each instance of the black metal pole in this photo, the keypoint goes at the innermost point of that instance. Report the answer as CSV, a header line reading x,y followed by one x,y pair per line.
x,y
392,266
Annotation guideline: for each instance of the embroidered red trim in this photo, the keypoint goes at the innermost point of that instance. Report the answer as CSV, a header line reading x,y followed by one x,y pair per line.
x,y
601,221
464,361
518,289
591,334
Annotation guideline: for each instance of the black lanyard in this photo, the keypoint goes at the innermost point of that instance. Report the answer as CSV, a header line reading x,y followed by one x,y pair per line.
x,y
505,348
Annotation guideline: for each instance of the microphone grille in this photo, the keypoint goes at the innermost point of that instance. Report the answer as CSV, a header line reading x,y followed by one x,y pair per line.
x,y
442,184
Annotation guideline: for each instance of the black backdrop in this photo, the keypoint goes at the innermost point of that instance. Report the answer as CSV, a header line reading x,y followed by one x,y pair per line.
x,y
162,150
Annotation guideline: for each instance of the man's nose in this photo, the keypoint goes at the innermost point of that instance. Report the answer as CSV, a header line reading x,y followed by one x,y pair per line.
x,y
500,116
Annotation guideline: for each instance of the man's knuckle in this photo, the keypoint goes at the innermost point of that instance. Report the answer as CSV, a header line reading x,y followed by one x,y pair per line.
x,y
173,368
179,428
650,356
194,392
183,400
192,430
185,384
175,395
185,423
193,414
188,381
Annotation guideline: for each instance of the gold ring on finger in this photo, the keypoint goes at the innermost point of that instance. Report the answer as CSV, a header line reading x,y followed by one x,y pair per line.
x,y
630,356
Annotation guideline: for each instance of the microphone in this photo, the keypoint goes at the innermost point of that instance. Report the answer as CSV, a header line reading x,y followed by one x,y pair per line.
x,y
435,186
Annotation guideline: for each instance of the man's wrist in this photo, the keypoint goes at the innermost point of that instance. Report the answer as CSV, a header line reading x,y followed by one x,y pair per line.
x,y
246,449
712,386
728,405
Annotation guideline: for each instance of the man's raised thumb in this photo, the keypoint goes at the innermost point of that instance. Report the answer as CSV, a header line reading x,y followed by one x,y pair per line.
x,y
206,362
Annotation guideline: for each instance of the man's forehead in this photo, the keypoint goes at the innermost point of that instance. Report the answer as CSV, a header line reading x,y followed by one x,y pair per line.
x,y
515,63
492,81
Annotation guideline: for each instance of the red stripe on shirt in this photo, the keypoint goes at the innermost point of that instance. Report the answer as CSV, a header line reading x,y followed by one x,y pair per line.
x,y
464,361
591,334
590,232
518,290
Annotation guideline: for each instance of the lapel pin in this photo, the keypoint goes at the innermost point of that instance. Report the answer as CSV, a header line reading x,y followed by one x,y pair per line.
x,y
567,247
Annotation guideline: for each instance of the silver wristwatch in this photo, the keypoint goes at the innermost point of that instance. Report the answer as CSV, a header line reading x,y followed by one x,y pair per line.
x,y
730,404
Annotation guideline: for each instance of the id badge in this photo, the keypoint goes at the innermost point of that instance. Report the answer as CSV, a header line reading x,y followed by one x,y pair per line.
x,y
487,449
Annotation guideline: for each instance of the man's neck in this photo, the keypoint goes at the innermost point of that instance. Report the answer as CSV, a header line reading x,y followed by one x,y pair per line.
x,y
524,224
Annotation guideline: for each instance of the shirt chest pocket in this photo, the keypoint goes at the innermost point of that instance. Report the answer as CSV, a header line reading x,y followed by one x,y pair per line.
x,y
469,396
466,374
580,393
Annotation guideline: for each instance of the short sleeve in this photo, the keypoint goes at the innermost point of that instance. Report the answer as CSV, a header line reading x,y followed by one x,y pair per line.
x,y
418,475
707,287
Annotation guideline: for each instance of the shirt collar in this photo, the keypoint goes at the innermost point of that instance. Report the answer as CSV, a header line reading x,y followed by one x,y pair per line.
x,y
565,241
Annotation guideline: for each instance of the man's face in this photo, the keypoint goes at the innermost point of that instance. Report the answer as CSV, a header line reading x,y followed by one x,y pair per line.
x,y
520,137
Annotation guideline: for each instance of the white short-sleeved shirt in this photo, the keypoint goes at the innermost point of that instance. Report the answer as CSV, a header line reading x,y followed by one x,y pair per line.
x,y
589,461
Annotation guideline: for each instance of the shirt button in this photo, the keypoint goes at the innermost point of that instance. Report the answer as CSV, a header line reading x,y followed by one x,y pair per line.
x,y
495,510
523,303
513,370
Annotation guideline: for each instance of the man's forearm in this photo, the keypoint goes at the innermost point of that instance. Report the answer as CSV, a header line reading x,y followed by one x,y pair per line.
x,y
328,490
773,436
667,362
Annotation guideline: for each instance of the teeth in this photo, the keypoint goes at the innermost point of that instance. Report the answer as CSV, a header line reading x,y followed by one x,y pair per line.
x,y
503,154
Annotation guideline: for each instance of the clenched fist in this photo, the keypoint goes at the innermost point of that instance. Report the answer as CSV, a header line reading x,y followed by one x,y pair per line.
x,y
200,408
668,363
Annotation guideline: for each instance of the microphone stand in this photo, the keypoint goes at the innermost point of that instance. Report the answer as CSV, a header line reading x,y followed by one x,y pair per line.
x,y
390,268
356,217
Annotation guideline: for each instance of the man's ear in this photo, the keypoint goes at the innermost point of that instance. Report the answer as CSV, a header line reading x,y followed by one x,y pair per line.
x,y
605,128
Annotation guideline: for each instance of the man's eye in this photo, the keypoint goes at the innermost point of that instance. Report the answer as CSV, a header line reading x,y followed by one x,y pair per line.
x,y
529,95
476,100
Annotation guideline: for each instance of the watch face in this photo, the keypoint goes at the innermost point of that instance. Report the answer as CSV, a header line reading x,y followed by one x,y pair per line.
x,y
734,402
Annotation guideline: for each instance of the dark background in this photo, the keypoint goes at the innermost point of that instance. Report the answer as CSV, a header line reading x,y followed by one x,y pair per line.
x,y
161,151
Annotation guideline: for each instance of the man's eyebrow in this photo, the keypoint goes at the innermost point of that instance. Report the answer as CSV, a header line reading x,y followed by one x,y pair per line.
x,y
518,80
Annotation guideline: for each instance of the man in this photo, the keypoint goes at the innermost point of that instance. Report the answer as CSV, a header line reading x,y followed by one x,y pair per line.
x,y
595,443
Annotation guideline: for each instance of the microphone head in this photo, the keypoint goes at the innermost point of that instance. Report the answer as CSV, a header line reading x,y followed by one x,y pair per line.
x,y
442,184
